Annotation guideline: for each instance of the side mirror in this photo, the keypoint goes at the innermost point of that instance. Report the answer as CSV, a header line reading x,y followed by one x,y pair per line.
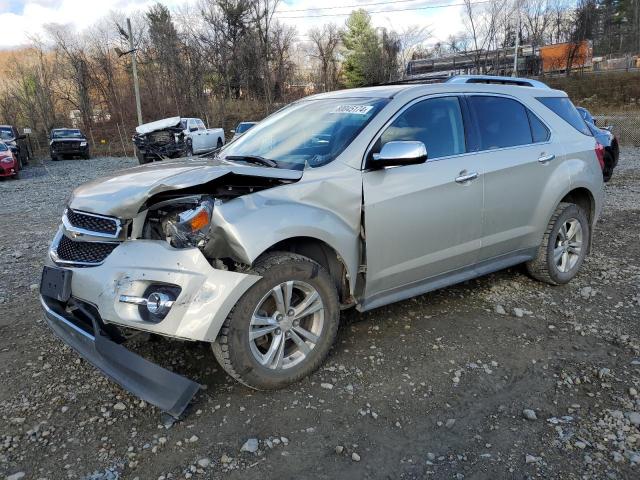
x,y
595,122
400,153
233,131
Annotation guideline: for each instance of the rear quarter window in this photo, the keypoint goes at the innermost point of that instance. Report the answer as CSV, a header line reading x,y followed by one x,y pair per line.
x,y
563,107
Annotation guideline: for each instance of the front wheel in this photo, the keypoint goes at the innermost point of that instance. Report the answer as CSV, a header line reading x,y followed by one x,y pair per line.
x,y
219,144
564,246
282,328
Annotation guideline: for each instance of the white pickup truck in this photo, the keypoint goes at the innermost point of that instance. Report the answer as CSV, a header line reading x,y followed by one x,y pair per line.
x,y
175,137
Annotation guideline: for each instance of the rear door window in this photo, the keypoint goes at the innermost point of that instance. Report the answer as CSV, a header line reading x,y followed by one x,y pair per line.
x,y
563,107
502,122
436,122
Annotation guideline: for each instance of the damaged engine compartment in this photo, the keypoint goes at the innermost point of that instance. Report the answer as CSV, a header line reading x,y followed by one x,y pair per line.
x,y
184,219
160,144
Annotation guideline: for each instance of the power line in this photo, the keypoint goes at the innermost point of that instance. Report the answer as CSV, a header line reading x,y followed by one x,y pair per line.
x,y
345,6
385,11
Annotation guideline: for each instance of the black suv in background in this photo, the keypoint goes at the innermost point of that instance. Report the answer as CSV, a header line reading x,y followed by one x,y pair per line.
x,y
68,142
16,143
607,139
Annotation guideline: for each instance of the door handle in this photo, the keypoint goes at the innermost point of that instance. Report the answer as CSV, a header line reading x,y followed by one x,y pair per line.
x,y
465,177
546,158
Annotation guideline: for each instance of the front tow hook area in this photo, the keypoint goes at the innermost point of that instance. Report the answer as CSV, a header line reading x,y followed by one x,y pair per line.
x,y
156,385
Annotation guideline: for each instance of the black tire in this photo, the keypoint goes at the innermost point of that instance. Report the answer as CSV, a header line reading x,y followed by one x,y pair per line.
x,y
544,267
15,176
219,145
607,171
232,348
189,148
54,158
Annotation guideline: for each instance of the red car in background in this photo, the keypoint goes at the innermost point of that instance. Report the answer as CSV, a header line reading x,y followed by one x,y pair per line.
x,y
9,166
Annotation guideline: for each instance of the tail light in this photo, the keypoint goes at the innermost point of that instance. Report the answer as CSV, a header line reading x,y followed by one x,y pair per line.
x,y
600,154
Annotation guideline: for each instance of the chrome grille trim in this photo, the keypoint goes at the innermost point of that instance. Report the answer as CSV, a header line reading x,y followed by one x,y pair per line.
x,y
79,231
56,257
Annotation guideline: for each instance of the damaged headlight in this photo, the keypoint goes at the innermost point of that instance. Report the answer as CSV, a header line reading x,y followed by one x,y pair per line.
x,y
190,228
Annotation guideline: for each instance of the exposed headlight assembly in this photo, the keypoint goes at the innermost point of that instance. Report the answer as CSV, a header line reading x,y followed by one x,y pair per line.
x,y
191,227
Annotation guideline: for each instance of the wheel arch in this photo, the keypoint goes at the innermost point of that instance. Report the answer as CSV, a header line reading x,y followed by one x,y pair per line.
x,y
582,197
323,253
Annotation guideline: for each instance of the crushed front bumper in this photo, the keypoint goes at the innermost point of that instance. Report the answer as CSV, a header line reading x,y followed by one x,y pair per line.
x,y
85,333
206,297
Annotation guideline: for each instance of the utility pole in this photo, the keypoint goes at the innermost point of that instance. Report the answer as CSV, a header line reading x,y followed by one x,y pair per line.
x,y
515,56
134,66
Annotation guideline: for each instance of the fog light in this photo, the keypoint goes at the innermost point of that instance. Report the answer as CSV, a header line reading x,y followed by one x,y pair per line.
x,y
159,303
155,303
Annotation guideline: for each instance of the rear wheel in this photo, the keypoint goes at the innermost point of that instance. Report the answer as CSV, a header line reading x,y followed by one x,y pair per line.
x,y
282,328
54,158
564,246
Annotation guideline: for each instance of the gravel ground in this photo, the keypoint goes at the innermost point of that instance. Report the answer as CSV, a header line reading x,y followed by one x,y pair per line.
x,y
499,377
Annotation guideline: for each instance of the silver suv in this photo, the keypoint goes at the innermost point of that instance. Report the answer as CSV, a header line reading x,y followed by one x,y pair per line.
x,y
356,198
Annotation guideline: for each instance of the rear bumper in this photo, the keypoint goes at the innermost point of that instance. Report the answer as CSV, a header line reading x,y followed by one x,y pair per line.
x,y
160,387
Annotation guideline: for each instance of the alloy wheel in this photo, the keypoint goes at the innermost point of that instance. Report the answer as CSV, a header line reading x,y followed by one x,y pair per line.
x,y
568,245
286,325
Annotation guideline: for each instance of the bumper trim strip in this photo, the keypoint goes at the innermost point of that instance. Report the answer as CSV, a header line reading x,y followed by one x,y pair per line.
x,y
166,390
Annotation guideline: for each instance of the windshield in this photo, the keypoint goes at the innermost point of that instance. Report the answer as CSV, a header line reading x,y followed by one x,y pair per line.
x,y
6,134
67,133
307,133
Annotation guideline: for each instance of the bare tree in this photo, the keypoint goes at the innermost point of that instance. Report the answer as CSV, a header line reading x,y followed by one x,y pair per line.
x,y
410,38
326,41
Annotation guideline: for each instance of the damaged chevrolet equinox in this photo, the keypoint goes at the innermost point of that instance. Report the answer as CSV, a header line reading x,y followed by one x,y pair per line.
x,y
355,198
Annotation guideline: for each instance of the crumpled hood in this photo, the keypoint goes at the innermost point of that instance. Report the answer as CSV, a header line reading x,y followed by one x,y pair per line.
x,y
123,193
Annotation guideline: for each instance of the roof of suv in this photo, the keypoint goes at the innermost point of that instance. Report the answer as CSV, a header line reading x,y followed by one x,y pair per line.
x,y
466,83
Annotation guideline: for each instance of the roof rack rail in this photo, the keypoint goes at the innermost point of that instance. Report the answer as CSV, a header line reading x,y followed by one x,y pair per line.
x,y
495,79
417,79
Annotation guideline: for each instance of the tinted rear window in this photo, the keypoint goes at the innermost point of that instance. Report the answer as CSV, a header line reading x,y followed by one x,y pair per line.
x,y
539,131
502,122
563,107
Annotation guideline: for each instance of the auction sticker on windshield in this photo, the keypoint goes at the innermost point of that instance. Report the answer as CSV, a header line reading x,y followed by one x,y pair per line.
x,y
353,109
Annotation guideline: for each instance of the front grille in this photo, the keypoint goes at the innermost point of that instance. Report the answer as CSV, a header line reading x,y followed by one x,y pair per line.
x,y
92,223
83,252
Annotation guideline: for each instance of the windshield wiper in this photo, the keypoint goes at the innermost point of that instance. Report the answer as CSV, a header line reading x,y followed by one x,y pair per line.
x,y
257,159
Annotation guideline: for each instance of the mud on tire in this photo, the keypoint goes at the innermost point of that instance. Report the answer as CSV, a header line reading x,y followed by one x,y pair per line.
x,y
233,348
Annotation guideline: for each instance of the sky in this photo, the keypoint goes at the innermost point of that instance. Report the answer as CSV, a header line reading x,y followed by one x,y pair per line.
x,y
21,19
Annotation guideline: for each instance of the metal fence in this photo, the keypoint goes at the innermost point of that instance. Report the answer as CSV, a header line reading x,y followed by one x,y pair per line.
x,y
624,124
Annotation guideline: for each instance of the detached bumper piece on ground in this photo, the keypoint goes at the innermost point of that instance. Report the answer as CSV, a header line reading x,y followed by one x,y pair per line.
x,y
83,331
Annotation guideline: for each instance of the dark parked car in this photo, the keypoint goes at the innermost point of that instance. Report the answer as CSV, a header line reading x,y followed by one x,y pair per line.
x,y
68,142
10,136
607,139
